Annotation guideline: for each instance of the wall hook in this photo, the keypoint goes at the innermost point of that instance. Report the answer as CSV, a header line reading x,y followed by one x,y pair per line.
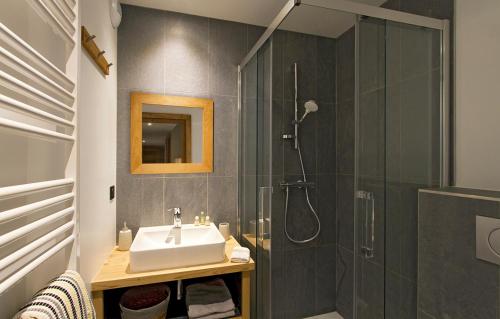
x,y
94,52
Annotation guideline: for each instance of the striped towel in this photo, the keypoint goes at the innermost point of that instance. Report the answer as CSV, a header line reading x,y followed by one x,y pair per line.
x,y
64,298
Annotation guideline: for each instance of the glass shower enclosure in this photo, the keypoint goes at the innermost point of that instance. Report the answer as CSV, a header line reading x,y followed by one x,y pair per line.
x,y
379,80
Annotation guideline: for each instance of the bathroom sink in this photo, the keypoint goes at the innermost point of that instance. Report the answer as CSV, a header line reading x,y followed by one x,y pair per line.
x,y
163,247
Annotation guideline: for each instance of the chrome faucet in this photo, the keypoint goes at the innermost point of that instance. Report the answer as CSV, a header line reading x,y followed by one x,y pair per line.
x,y
175,231
177,217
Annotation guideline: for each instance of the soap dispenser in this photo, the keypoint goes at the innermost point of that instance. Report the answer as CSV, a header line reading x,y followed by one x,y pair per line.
x,y
202,218
125,238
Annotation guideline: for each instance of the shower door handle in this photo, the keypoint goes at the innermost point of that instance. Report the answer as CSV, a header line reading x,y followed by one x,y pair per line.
x,y
368,235
261,218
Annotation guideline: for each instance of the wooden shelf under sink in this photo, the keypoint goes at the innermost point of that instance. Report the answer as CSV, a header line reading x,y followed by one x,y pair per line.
x,y
115,273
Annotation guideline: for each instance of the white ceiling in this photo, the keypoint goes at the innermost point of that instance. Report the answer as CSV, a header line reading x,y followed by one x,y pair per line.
x,y
261,12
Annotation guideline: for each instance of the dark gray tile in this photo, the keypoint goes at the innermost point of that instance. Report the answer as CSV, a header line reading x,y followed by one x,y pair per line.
x,y
416,51
141,49
253,34
222,194
439,9
345,281
393,134
376,187
416,130
391,4
345,66
326,70
371,290
345,137
186,56
301,223
123,132
423,315
400,297
225,139
372,54
393,230
279,280
277,218
227,48
300,285
188,193
326,139
327,208
128,201
372,134
452,282
325,277
301,49
278,144
278,40
393,53
152,212
409,226
345,211
307,138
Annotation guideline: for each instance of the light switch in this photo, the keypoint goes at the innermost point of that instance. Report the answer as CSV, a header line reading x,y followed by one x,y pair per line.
x,y
488,239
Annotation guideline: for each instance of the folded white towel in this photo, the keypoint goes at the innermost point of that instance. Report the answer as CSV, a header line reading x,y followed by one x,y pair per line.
x,y
219,315
198,311
240,255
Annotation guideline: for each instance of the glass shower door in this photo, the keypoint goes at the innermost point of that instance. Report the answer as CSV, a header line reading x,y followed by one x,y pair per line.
x,y
397,151
255,175
370,145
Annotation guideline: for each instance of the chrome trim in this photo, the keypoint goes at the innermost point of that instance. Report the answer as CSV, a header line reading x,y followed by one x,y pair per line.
x,y
238,156
356,166
376,12
269,31
445,105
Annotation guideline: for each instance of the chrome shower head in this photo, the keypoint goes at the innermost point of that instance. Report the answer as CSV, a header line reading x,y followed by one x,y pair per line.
x,y
310,107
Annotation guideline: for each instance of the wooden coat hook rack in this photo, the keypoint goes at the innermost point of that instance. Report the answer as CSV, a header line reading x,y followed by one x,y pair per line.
x,y
93,50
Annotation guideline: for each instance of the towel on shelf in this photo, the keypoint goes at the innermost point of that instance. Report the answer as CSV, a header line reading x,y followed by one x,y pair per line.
x,y
64,298
209,300
240,255
219,315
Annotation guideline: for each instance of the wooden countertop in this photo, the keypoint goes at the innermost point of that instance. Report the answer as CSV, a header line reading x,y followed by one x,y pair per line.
x,y
115,273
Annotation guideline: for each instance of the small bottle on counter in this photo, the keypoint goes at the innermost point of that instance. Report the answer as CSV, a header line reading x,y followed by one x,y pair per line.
x,y
207,221
202,218
125,238
197,221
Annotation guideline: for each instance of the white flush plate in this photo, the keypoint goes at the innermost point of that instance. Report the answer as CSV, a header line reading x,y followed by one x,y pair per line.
x,y
488,239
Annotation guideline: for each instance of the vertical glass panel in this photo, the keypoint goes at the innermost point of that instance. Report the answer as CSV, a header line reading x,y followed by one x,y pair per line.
x,y
370,170
248,164
264,174
255,174
413,68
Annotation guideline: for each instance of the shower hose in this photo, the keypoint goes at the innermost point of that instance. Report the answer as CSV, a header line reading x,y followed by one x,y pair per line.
x,y
287,191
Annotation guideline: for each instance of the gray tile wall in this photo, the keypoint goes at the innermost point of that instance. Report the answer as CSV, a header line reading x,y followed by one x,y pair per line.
x,y
304,275
176,54
452,283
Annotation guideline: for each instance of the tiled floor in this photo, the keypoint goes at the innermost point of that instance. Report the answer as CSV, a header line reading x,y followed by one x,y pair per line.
x,y
331,315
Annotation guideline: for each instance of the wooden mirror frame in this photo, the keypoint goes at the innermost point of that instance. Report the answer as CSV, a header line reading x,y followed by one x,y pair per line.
x,y
137,100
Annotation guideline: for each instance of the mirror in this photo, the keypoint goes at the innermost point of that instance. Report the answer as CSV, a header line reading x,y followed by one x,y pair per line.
x,y
170,134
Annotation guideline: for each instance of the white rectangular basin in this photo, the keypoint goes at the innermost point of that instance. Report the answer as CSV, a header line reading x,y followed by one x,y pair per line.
x,y
155,248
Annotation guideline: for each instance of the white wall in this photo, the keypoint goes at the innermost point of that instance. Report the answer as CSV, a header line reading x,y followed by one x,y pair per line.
x,y
478,93
97,131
